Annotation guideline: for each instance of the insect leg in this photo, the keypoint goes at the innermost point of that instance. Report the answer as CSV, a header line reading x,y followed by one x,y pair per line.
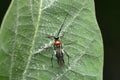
x,y
52,60
67,55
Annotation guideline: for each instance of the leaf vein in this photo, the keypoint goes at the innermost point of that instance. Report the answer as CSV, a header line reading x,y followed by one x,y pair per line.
x,y
33,40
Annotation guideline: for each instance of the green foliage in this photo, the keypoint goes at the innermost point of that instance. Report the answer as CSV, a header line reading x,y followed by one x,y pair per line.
x,y
25,50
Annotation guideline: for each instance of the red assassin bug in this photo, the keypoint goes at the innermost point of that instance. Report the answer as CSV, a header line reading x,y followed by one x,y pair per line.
x,y
58,49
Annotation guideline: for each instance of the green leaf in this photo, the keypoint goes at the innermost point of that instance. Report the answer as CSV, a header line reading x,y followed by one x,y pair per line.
x,y
26,50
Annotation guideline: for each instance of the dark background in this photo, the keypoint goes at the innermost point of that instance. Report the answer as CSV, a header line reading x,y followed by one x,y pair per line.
x,y
108,17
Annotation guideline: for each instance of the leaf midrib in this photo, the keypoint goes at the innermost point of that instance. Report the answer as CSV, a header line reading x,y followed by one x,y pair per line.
x,y
34,37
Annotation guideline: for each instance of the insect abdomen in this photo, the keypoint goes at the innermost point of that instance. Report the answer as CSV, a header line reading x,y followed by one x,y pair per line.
x,y
61,61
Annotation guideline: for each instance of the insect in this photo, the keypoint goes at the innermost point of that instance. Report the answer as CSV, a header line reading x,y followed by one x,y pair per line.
x,y
58,49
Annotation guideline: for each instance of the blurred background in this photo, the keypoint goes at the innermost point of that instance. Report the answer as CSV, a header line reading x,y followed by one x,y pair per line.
x,y
108,17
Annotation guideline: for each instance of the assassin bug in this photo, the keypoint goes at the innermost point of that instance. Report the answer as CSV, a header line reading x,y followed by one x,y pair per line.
x,y
58,49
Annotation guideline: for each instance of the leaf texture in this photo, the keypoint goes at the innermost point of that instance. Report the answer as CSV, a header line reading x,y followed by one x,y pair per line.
x,y
25,49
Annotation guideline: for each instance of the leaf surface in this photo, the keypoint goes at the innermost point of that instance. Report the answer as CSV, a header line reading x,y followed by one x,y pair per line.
x,y
26,50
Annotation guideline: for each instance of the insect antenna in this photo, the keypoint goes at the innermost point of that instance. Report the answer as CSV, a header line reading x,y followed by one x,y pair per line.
x,y
61,26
